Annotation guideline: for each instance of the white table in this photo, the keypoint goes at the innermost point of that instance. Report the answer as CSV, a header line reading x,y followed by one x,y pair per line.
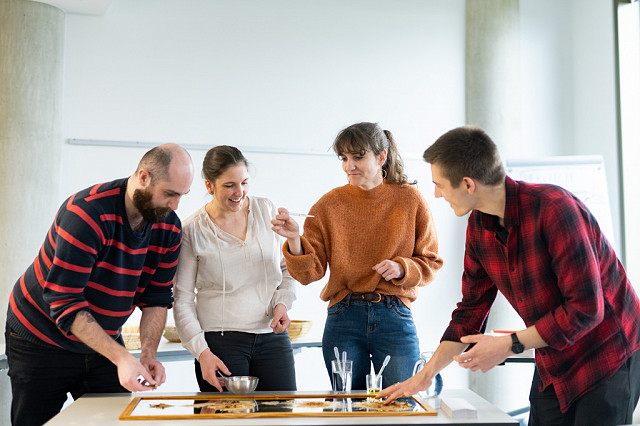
x,y
103,410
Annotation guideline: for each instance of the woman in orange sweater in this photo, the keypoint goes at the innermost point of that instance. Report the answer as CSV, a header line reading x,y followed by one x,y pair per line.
x,y
376,235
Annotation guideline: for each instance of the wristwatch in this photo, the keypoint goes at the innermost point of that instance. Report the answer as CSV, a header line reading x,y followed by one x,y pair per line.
x,y
516,346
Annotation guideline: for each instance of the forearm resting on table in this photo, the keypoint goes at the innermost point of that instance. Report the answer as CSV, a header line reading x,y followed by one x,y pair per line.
x,y
87,329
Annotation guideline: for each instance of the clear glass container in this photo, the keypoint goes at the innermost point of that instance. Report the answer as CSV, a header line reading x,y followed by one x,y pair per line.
x,y
432,393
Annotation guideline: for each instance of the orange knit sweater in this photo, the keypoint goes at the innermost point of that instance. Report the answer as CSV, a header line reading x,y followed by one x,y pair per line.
x,y
354,229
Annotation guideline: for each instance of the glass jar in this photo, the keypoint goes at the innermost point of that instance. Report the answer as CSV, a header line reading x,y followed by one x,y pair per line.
x,y
437,382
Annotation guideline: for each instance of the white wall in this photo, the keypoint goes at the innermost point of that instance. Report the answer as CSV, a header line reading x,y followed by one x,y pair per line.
x,y
290,74
274,73
595,114
278,74
547,72
568,85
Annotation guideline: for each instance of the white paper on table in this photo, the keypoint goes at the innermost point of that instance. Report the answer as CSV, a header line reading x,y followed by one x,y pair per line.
x,y
458,408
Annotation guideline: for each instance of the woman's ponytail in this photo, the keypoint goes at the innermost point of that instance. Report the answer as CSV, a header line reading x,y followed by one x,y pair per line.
x,y
393,168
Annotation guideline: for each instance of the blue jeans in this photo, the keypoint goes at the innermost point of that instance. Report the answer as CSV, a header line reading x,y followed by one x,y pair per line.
x,y
41,376
370,331
267,356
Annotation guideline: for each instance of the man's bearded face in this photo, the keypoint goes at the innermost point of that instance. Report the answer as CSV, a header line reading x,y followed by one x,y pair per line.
x,y
150,213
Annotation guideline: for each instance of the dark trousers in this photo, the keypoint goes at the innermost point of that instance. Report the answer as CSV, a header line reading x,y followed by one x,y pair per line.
x,y
610,403
42,376
267,356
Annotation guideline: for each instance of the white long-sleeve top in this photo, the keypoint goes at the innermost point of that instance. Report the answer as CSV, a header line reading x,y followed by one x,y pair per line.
x,y
226,284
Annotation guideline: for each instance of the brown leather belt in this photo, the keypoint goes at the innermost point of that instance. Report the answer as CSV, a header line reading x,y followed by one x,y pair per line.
x,y
372,297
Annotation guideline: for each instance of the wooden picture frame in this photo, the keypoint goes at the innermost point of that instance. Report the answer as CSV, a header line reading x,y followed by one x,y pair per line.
x,y
243,406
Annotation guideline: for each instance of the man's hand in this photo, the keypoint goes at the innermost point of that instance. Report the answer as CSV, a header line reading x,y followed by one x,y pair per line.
x,y
85,328
281,319
130,370
156,369
409,387
210,364
151,328
488,352
423,378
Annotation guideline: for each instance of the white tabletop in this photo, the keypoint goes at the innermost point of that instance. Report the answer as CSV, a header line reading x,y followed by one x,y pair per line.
x,y
101,409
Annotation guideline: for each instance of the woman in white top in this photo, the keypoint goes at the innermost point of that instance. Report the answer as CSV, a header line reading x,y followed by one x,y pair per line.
x,y
232,288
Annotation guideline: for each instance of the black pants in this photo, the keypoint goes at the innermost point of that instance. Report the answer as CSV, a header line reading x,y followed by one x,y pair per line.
x,y
41,376
611,403
267,356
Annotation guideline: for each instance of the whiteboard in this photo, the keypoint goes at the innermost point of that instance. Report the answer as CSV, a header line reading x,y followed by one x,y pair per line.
x,y
584,176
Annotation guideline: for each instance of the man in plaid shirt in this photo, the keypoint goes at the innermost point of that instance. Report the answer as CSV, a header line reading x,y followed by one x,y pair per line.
x,y
542,248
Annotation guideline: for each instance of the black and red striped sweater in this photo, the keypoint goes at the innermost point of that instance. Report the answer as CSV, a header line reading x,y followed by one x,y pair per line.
x,y
92,260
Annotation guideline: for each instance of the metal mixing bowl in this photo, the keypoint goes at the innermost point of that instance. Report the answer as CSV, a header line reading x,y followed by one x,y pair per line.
x,y
241,385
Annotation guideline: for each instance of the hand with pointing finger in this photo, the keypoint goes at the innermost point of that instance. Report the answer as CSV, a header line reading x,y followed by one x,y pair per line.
x,y
409,387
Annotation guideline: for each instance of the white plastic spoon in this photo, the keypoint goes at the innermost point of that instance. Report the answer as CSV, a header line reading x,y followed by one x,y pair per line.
x,y
384,364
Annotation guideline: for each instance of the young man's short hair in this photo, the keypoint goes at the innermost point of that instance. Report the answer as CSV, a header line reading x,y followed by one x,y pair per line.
x,y
467,152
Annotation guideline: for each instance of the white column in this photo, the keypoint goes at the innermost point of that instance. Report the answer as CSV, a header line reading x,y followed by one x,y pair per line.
x,y
493,103
493,70
31,42
31,48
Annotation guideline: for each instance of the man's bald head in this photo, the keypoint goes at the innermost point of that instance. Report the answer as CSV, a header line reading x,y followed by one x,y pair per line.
x,y
158,160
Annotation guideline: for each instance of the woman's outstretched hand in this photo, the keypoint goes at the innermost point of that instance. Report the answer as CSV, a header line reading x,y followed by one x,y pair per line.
x,y
288,228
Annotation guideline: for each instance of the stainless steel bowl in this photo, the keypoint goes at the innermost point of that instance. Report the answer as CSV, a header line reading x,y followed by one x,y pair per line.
x,y
241,385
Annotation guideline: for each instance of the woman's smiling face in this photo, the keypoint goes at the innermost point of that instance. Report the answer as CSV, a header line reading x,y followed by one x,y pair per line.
x,y
230,189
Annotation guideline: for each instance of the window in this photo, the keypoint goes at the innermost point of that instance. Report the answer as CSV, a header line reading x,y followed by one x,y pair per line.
x,y
629,65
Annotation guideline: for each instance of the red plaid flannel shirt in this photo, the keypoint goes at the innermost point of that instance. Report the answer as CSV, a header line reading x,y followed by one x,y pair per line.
x,y
560,274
